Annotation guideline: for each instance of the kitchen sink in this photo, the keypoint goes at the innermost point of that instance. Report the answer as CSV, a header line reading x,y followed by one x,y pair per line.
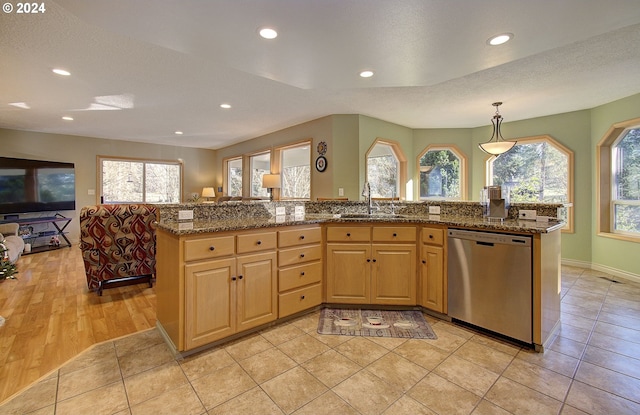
x,y
372,216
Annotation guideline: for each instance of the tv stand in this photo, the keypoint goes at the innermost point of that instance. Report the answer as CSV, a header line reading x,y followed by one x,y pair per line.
x,y
58,221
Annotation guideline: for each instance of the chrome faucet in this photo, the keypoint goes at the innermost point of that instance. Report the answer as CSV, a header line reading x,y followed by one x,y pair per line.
x,y
366,192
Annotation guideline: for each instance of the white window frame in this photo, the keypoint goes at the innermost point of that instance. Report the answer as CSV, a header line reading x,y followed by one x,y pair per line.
x,y
615,202
144,162
279,194
256,175
227,176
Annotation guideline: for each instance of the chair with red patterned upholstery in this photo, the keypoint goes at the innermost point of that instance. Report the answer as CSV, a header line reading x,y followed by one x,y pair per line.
x,y
118,244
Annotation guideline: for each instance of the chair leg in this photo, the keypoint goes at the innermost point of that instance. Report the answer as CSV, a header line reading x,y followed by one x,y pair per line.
x,y
100,289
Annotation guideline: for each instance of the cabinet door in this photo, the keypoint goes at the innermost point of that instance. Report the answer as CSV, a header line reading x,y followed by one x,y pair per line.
x,y
393,274
348,273
257,290
432,278
210,301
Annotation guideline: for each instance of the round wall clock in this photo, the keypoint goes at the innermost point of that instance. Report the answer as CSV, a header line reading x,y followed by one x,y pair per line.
x,y
321,164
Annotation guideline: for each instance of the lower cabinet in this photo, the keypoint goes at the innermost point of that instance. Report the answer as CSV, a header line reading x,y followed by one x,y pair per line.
x,y
432,269
227,296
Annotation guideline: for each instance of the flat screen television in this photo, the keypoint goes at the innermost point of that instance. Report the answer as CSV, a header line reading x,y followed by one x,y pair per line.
x,y
36,186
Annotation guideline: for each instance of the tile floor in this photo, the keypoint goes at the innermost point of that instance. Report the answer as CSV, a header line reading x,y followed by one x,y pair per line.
x,y
593,367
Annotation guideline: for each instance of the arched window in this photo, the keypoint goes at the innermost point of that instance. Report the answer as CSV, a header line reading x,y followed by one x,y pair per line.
x,y
619,181
537,169
386,169
442,172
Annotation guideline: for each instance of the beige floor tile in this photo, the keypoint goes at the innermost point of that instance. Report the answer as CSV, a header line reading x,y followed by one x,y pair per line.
x,y
266,365
140,340
40,395
570,410
102,401
222,385
485,356
144,359
331,367
408,406
307,323
361,350
280,334
487,408
431,390
567,346
580,311
596,401
624,321
538,378
397,371
501,345
574,333
253,401
154,382
96,355
447,341
205,362
422,353
327,404
577,321
614,361
617,331
47,410
367,393
615,345
330,340
519,399
91,377
552,360
303,348
178,400
609,381
463,373
247,346
293,389
458,330
388,343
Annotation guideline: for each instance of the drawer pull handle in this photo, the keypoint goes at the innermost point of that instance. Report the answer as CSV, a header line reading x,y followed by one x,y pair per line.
x,y
259,242
301,255
302,297
211,248
301,236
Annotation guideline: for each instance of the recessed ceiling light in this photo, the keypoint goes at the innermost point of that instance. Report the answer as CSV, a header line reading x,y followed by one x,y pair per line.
x,y
23,105
67,118
178,133
366,74
225,106
61,72
268,33
500,39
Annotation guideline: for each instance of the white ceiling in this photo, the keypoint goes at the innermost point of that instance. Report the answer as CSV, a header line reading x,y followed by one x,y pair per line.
x,y
169,64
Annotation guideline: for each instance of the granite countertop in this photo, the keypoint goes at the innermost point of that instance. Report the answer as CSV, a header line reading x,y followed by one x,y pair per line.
x,y
244,223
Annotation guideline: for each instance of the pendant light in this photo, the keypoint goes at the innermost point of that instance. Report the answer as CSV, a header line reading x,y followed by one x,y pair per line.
x,y
496,145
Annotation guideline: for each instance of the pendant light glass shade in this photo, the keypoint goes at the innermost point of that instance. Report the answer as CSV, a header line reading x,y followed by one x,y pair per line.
x,y
496,145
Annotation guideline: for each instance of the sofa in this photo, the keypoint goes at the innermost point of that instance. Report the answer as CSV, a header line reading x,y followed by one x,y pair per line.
x,y
118,244
11,240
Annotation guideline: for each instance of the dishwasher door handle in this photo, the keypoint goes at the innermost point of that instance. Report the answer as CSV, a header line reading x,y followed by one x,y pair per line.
x,y
484,243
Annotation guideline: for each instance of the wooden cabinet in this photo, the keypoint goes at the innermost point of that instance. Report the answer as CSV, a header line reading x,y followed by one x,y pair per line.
x,y
432,269
220,285
299,269
371,264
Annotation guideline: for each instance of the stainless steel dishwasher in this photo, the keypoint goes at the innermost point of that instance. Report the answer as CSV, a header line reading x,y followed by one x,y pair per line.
x,y
490,281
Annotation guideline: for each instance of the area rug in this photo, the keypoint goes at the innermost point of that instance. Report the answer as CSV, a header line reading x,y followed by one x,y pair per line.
x,y
375,323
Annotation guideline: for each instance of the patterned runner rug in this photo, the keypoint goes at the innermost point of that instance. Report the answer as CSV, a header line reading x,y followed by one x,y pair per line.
x,y
374,323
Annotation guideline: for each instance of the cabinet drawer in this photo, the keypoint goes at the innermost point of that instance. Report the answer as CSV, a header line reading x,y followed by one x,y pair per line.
x,y
298,300
433,236
254,242
394,234
302,236
348,234
205,248
300,255
299,276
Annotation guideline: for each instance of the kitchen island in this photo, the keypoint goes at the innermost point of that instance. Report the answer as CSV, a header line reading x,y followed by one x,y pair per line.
x,y
235,269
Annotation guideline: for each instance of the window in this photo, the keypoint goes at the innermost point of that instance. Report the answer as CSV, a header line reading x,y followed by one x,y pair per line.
x,y
295,171
234,176
140,181
625,183
537,169
260,165
386,169
442,171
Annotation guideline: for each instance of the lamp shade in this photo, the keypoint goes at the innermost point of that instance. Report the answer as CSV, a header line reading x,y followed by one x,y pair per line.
x,y
271,181
208,192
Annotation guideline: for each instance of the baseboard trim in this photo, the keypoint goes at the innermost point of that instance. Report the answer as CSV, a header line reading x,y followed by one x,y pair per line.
x,y
602,268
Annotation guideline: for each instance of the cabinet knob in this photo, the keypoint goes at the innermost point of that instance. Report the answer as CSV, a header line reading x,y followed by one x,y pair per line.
x,y
368,260
302,274
430,236
211,248
348,234
302,297
239,277
424,261
233,278
395,234
259,242
301,255
301,236
374,260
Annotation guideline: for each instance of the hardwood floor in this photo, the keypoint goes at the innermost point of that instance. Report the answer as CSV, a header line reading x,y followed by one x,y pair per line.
x,y
51,316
